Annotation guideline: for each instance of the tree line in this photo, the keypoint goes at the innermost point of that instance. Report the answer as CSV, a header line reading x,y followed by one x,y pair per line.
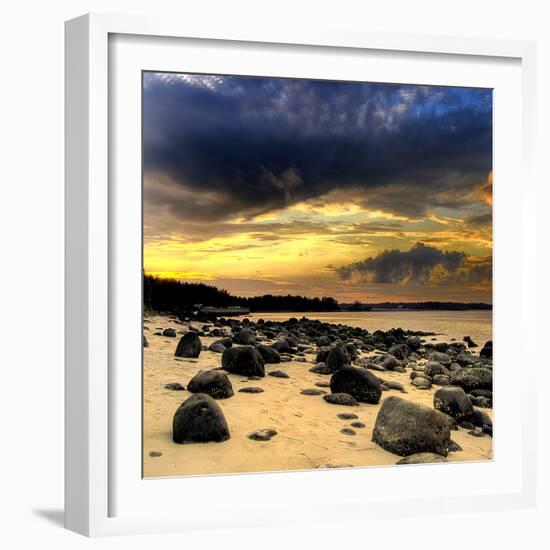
x,y
175,296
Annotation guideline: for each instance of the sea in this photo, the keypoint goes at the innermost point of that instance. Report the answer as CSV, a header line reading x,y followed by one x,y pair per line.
x,y
478,325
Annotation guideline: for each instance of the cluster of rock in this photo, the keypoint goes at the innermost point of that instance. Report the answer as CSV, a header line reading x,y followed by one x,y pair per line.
x,y
407,429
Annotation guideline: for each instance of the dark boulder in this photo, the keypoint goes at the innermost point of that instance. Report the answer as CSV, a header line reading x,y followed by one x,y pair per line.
x,y
145,342
320,368
278,374
434,367
283,346
390,362
262,435
358,382
190,345
487,350
337,358
245,337
251,389
453,401
270,355
174,386
199,419
413,342
212,382
480,418
440,357
405,428
474,378
441,380
243,360
323,341
216,347
170,332
341,399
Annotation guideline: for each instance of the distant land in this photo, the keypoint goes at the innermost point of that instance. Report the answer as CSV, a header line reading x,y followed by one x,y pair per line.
x,y
171,295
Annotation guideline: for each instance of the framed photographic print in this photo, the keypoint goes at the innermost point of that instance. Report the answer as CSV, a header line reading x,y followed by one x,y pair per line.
x,y
289,271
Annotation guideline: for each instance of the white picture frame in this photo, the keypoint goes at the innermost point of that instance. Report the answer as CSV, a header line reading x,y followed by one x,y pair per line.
x,y
98,501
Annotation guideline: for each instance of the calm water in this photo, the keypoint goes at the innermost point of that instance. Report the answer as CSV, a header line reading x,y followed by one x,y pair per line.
x,y
447,324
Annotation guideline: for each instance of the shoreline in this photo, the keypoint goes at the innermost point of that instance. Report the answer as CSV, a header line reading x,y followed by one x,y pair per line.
x,y
309,430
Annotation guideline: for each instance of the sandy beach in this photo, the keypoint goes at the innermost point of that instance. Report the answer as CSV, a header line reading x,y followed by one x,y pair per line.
x,y
308,428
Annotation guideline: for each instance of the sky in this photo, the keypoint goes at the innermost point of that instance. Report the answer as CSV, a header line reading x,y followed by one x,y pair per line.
x,y
361,191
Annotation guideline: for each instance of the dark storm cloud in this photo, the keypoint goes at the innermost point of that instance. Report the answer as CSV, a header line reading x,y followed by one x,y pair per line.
x,y
237,146
421,264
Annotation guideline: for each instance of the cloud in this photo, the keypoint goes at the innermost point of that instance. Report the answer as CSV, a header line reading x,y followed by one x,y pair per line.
x,y
422,264
238,147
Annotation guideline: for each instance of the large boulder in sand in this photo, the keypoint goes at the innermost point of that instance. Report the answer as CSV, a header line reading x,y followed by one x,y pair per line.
x,y
243,360
246,337
473,378
270,355
190,345
487,350
212,382
337,358
434,367
441,357
452,400
405,428
414,342
358,382
199,419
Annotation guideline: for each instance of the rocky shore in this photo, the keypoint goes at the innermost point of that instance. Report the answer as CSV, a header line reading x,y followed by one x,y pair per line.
x,y
236,395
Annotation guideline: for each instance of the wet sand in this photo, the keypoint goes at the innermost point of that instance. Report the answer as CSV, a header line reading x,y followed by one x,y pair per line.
x,y
308,429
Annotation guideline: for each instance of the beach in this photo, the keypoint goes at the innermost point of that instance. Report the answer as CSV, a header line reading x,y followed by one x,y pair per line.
x,y
308,429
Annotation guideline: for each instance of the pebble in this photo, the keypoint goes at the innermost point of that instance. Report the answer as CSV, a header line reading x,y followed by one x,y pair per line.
x,y
262,435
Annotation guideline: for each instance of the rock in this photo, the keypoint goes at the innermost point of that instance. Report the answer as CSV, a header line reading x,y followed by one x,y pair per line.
x,y
374,366
467,425
323,341
341,399
270,355
262,435
251,389
285,358
440,357
245,337
278,374
475,433
212,382
422,458
155,454
473,378
358,382
174,386
347,416
199,419
393,385
454,447
322,384
453,401
480,418
225,342
170,332
216,347
337,358
482,393
441,380
190,345
145,342
390,363
358,425
422,383
312,391
243,360
320,368
414,342
348,431
487,430
283,346
470,342
405,428
433,367
487,350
